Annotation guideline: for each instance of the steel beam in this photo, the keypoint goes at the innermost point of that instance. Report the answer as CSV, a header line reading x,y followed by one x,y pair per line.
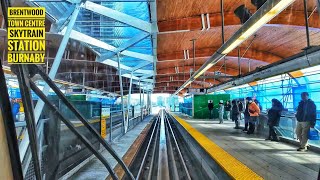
x,y
141,65
95,42
124,46
118,16
24,85
121,94
128,105
54,69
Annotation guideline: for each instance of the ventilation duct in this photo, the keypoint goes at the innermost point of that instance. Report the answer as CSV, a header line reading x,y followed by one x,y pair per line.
x,y
242,13
258,3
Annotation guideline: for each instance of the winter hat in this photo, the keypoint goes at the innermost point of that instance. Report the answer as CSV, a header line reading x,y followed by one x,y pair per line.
x,y
221,102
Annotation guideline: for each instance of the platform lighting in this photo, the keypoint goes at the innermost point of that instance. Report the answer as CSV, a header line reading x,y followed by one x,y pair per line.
x,y
256,26
258,3
243,13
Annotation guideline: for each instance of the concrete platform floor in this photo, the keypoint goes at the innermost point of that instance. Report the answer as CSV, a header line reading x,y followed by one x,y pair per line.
x,y
271,160
95,170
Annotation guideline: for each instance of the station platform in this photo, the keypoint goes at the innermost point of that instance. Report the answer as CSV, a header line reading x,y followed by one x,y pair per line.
x,y
268,159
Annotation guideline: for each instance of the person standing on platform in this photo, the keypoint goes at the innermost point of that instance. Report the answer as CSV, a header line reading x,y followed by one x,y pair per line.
x,y
240,106
221,111
228,109
235,114
306,117
254,112
210,107
274,115
246,114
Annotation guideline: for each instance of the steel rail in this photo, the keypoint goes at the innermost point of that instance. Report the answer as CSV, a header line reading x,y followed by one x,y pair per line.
x,y
178,149
148,147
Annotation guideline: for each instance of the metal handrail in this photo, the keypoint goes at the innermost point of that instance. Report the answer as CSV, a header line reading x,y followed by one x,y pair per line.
x,y
52,85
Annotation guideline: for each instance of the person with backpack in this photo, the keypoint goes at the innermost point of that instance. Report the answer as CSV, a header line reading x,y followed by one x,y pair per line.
x,y
306,116
254,112
274,115
235,114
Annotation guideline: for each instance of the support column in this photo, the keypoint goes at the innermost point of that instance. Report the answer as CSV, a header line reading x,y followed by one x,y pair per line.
x,y
140,100
38,109
128,104
142,103
121,93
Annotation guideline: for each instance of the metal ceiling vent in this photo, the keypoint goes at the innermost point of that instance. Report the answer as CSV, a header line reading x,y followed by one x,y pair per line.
x,y
243,13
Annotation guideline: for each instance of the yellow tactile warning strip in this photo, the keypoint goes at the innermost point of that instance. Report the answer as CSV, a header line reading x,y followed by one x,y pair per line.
x,y
233,167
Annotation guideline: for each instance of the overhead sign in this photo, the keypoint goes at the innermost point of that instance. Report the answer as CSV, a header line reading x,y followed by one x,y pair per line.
x,y
26,35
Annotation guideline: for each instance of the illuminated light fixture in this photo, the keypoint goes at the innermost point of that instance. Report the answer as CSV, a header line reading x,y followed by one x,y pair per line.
x,y
203,70
258,3
257,25
186,84
243,13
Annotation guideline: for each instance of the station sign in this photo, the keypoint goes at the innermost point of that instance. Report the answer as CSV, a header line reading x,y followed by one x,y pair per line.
x,y
26,35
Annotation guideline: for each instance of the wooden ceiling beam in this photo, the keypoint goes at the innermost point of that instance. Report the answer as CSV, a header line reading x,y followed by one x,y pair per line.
x,y
186,69
207,52
294,18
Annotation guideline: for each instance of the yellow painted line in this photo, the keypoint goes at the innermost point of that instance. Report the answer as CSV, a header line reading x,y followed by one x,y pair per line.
x,y
233,167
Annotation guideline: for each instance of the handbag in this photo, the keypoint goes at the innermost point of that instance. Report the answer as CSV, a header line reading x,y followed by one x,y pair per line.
x,y
313,134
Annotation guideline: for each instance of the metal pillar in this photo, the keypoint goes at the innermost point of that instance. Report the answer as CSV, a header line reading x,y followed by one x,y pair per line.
x,y
121,94
22,74
222,20
9,128
128,104
307,22
40,104
142,103
140,100
239,63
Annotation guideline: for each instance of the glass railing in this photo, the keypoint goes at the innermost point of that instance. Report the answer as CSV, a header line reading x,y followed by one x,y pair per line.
x,y
287,127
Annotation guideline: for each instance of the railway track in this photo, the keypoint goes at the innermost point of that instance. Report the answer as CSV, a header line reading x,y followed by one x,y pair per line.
x,y
164,154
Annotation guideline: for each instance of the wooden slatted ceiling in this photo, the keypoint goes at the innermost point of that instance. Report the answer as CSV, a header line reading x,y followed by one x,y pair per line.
x,y
168,9
284,36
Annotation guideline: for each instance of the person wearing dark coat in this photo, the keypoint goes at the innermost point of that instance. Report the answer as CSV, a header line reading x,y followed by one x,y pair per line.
x,y
210,108
240,106
235,114
306,116
274,115
246,114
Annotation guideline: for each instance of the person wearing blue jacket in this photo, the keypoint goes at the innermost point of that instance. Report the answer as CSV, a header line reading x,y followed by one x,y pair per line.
x,y
274,115
306,116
